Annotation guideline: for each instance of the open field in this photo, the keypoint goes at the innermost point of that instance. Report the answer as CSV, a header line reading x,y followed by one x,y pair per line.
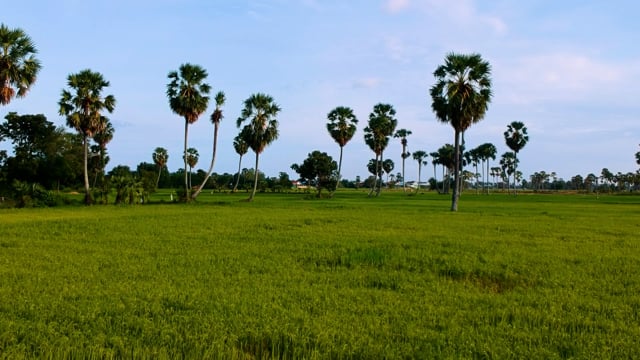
x,y
537,276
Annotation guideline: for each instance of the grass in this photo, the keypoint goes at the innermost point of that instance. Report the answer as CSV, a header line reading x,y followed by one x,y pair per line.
x,y
284,277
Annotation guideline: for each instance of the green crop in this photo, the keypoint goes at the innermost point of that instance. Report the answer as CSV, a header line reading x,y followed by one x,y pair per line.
x,y
537,276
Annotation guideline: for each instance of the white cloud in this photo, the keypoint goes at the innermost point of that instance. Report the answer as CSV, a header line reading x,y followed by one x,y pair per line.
x,y
366,82
395,6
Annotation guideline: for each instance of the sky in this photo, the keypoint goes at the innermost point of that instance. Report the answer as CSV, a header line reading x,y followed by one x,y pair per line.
x,y
568,69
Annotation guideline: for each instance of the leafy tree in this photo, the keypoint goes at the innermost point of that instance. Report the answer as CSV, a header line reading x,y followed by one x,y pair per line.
x,y
516,138
187,93
402,134
160,158
192,158
420,157
18,64
260,112
461,97
216,117
241,148
318,169
82,104
382,124
387,166
341,126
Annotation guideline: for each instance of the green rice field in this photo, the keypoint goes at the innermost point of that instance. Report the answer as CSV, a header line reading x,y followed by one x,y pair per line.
x,y
400,277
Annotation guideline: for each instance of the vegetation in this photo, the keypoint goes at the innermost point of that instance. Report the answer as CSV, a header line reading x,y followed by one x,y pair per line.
x,y
18,64
216,117
402,134
516,138
318,170
461,97
187,93
241,147
260,112
82,104
342,126
382,124
290,278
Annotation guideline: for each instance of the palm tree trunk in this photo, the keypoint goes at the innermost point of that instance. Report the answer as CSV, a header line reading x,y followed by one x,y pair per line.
x,y
477,179
235,187
379,173
213,160
375,179
435,177
255,179
186,179
404,188
419,173
87,191
456,173
158,179
515,172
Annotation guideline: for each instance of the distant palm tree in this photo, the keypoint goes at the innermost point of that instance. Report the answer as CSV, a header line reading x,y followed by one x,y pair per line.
x,y
474,158
516,138
241,148
382,124
192,159
187,93
402,134
102,138
82,104
419,156
18,65
509,164
487,151
638,157
260,112
216,117
160,157
387,166
435,160
461,97
446,158
341,126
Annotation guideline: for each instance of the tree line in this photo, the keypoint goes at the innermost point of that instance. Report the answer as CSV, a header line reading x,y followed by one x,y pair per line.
x,y
47,157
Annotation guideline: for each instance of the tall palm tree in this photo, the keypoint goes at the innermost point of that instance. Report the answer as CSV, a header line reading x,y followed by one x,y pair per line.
x,y
192,158
435,160
83,104
102,137
241,148
516,138
160,157
461,97
18,64
382,124
419,156
402,134
187,93
260,113
341,126
216,117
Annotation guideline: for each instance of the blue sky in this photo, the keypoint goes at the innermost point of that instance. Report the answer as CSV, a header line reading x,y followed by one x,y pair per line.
x,y
568,69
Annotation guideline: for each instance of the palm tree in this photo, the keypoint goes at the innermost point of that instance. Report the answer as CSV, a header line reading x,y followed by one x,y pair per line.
x,y
402,134
446,158
381,126
83,106
509,164
18,64
160,157
241,148
461,97
419,156
341,126
260,112
516,138
435,160
187,93
487,151
102,138
638,158
216,117
387,167
192,158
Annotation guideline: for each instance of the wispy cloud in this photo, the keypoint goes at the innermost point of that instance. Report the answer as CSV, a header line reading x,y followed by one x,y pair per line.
x,y
394,6
366,82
